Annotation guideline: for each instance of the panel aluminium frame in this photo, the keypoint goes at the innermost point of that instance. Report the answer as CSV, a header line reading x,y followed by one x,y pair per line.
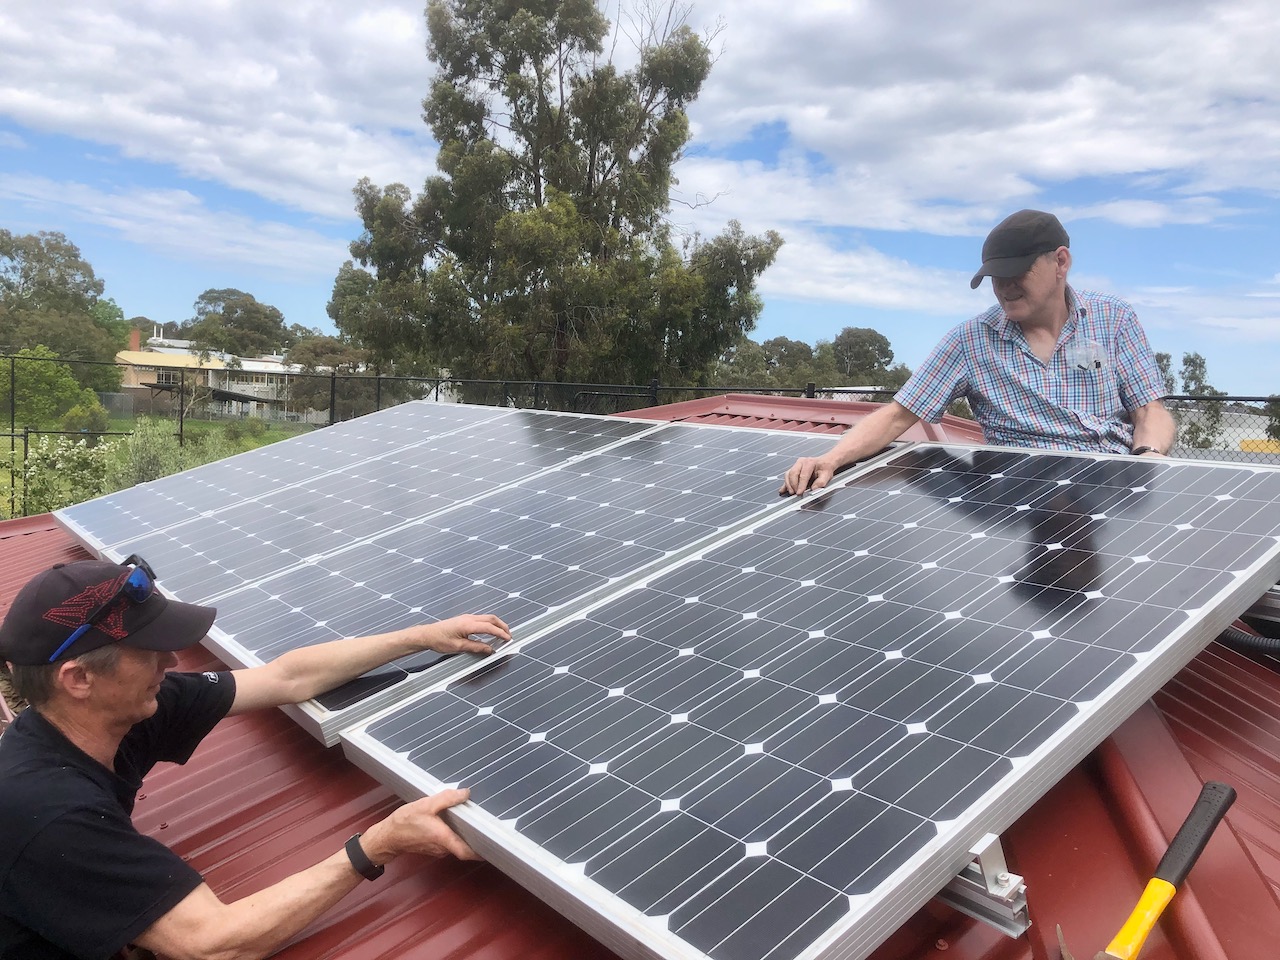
x,y
871,918
325,722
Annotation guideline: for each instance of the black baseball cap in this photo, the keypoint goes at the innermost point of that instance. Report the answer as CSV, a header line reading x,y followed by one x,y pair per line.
x,y
53,604
1015,243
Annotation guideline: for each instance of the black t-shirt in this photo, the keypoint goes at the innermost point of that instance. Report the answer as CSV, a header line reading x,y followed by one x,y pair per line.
x,y
76,878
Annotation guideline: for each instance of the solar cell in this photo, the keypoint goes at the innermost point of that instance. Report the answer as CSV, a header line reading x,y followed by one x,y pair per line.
x,y
781,745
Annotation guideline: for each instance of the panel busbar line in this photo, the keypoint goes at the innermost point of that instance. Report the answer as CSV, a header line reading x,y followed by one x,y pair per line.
x,y
524,552
782,746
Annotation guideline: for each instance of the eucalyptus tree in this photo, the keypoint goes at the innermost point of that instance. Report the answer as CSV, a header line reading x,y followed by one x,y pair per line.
x,y
543,249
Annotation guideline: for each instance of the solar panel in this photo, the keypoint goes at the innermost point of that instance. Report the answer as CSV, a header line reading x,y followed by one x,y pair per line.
x,y
114,524
234,522
524,551
424,511
783,744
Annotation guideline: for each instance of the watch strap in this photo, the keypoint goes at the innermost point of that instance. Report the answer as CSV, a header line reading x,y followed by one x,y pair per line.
x,y
360,860
1139,451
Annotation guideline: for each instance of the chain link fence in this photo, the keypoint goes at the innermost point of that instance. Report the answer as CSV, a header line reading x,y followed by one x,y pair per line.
x,y
45,403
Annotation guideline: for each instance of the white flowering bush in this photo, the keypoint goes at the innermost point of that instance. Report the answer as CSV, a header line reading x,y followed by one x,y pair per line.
x,y
60,471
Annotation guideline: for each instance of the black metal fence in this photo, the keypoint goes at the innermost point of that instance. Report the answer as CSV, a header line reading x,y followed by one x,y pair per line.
x,y
199,399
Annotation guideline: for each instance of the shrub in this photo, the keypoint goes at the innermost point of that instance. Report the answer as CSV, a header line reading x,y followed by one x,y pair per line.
x,y
87,416
60,471
149,453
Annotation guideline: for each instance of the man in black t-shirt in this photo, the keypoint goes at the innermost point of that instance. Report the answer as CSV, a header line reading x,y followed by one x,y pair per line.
x,y
88,645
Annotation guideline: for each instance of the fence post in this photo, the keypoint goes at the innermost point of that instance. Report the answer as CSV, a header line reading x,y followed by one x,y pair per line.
x,y
13,439
537,394
26,450
810,389
333,396
377,392
506,397
182,404
653,392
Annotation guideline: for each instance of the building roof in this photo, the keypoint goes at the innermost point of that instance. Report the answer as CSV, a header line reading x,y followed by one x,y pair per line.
x,y
261,799
149,358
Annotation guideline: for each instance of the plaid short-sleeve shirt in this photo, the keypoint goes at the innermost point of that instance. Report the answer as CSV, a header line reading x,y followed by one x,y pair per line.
x,y
1080,399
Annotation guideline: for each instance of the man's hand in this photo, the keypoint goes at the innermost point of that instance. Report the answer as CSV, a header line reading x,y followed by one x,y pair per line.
x,y
808,473
417,828
454,635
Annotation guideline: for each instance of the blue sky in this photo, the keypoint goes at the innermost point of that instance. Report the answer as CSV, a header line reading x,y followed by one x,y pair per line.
x,y
215,144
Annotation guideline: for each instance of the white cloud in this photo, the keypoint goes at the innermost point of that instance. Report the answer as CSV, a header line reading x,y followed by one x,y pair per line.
x,y
178,225
813,267
293,103
986,103
825,120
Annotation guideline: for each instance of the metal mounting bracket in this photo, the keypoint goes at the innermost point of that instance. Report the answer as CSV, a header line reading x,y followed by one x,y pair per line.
x,y
987,891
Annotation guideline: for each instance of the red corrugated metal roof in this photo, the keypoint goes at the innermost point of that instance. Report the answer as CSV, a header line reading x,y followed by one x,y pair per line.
x,y
799,413
261,800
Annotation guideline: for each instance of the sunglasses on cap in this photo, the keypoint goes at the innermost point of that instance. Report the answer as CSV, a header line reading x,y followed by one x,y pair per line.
x,y
137,587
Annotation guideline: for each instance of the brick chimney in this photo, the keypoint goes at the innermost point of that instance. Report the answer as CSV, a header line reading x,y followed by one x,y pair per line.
x,y
135,339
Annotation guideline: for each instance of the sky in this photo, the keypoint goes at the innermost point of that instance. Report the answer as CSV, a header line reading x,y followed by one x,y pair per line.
x,y
215,143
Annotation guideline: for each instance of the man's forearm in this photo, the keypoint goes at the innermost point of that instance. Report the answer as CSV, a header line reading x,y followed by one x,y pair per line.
x,y
1154,427
201,927
873,433
309,671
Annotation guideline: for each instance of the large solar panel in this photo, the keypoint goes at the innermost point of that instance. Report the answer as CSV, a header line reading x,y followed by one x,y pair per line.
x,y
783,745
425,511
524,552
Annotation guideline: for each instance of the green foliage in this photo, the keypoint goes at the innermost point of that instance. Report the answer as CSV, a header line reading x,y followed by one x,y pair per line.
x,y
1164,363
49,295
149,453
45,271
862,356
234,322
44,388
107,314
356,392
152,451
237,430
1199,426
1272,412
541,251
856,356
87,416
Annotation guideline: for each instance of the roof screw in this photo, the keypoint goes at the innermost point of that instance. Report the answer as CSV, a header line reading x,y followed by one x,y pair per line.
x,y
164,826
941,944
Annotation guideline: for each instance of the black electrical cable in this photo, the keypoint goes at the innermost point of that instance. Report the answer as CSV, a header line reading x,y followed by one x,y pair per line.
x,y
1247,642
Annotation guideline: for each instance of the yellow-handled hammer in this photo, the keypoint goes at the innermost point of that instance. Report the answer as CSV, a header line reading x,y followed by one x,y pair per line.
x,y
1189,842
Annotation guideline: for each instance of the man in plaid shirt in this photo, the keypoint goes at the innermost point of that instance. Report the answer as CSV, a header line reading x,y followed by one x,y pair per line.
x,y
1048,366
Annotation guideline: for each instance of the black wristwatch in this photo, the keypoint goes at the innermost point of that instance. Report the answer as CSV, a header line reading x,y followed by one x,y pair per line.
x,y
360,860
1139,451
